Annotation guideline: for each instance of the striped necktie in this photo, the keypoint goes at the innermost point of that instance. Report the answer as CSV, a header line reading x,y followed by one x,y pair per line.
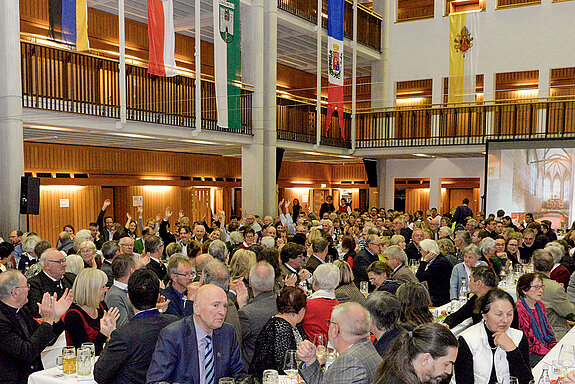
x,y
209,360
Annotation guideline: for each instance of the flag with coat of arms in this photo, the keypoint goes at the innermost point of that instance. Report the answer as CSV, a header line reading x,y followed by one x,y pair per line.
x,y
462,56
335,25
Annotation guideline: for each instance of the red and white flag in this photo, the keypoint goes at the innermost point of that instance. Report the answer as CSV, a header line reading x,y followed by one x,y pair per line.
x,y
335,24
162,38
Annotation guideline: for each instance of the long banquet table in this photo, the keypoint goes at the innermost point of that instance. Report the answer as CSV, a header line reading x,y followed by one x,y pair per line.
x,y
553,354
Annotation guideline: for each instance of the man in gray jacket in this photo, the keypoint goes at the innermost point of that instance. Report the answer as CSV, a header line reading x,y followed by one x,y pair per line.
x,y
117,295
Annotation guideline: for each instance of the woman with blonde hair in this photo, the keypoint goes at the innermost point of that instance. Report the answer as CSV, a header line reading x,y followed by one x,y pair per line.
x,y
241,263
88,319
398,240
88,252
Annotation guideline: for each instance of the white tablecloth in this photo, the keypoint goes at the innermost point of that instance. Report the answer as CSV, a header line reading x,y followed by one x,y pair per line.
x,y
56,376
51,352
458,328
553,354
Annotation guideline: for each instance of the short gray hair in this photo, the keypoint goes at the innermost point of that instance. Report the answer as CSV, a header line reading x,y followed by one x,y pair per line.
x,y
486,244
175,260
464,236
556,250
236,238
268,242
395,252
29,241
84,234
326,277
8,281
217,273
429,245
218,250
472,249
353,319
262,277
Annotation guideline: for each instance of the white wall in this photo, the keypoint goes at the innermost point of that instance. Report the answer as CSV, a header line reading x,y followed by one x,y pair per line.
x,y
534,37
434,170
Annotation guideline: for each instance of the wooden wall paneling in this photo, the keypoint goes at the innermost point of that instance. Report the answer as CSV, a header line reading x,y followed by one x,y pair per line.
x,y
353,172
456,196
84,203
297,193
416,199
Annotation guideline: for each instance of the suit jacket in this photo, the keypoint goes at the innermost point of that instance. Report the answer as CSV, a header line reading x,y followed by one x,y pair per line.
x,y
166,236
175,358
457,274
437,275
412,252
128,354
177,306
107,269
104,232
253,317
312,264
362,260
20,348
404,274
349,292
158,268
561,275
358,364
41,283
558,307
116,297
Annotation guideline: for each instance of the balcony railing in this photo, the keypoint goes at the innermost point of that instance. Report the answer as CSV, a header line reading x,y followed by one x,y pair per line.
x,y
65,81
435,125
368,22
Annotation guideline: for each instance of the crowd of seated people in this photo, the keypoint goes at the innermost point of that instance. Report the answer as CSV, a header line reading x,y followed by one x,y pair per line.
x,y
163,299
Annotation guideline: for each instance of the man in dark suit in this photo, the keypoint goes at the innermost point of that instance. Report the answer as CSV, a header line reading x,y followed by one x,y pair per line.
x,y
326,207
105,224
154,249
96,237
23,338
320,250
128,354
181,277
256,314
53,279
412,249
110,249
199,347
365,257
292,256
117,296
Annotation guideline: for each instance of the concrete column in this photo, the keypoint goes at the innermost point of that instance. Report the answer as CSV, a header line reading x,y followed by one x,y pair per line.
x,y
11,132
435,192
489,95
381,163
543,91
380,87
259,54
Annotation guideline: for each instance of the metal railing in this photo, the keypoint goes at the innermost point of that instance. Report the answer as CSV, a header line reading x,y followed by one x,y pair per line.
x,y
368,22
65,81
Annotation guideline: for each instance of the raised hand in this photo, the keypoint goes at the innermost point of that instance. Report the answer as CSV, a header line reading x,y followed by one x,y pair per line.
x,y
168,213
140,209
180,214
46,308
290,280
106,204
241,292
62,305
162,304
129,216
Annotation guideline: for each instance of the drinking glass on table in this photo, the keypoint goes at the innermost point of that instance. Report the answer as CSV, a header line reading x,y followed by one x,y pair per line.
x,y
364,287
84,361
320,342
227,380
290,364
270,376
92,348
567,356
69,360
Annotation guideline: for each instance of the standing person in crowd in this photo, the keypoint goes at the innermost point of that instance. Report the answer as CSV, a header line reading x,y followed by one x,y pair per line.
x,y
127,356
533,317
110,249
415,302
254,316
559,308
379,274
281,333
434,271
117,296
424,356
24,338
357,361
52,280
201,348
384,310
494,349
462,213
88,319
461,272
296,209
365,257
396,258
181,290
326,207
322,301
105,224
346,290
154,249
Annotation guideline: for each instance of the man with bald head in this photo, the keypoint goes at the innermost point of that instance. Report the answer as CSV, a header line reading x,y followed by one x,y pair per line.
x,y
201,348
53,279
357,361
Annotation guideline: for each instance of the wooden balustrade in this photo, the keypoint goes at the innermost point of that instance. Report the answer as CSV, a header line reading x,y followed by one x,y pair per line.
x,y
368,23
67,81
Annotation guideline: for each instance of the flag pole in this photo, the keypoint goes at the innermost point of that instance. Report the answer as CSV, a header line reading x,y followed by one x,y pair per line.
x,y
122,47
354,80
198,63
318,78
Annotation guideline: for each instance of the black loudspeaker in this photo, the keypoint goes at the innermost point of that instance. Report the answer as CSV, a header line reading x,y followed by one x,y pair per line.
x,y
279,158
371,170
29,195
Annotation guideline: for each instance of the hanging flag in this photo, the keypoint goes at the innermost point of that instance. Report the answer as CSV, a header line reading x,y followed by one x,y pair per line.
x,y
335,20
162,38
227,62
69,22
462,56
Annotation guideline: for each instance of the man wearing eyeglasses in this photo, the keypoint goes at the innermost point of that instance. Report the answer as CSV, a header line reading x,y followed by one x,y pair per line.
x,y
52,279
365,257
182,289
24,338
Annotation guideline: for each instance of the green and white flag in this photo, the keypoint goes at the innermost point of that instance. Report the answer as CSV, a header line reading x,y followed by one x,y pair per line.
x,y
227,62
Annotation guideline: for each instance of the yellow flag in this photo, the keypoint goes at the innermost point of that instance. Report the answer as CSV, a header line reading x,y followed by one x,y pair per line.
x,y
462,56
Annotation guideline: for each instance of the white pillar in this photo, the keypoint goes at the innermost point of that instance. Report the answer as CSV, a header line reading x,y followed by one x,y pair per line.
x,y
435,192
489,95
11,132
259,48
381,163
543,91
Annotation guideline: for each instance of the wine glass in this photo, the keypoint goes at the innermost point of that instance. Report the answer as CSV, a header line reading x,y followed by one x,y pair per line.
x,y
290,364
364,287
566,356
226,380
320,342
